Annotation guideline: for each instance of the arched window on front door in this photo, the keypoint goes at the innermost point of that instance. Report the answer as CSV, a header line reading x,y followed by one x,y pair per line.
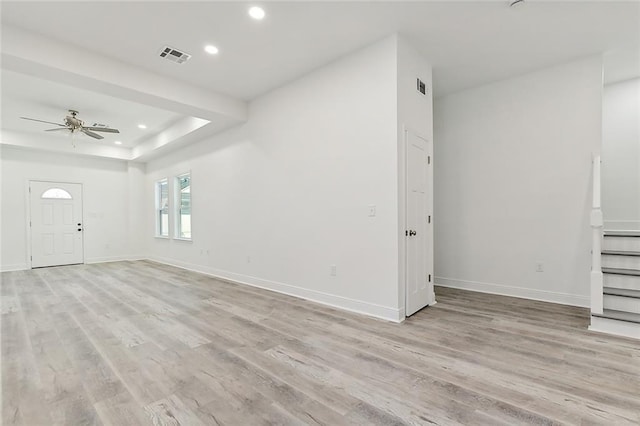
x,y
56,193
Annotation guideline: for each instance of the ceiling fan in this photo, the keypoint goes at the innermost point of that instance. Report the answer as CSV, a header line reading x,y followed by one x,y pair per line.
x,y
74,124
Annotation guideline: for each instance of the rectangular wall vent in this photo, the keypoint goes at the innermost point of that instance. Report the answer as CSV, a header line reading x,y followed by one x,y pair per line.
x,y
422,87
174,55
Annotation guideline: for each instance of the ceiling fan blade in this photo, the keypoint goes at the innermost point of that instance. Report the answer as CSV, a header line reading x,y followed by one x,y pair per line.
x,y
101,129
42,121
59,128
90,133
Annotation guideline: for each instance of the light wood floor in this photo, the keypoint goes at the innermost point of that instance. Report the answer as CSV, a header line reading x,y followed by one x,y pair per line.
x,y
135,343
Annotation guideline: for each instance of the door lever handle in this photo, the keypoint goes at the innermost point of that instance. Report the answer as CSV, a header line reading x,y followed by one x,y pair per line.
x,y
411,233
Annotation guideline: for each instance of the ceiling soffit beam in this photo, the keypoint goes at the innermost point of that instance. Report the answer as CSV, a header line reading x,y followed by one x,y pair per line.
x,y
184,132
29,53
171,136
63,145
155,147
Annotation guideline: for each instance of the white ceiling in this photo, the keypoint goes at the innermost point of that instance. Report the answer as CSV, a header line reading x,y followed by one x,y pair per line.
x,y
468,43
28,96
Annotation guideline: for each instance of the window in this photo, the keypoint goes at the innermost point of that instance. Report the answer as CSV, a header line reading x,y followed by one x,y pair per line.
x,y
182,202
56,193
162,208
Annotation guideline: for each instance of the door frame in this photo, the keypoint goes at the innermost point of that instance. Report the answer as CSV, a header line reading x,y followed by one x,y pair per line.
x,y
402,216
28,215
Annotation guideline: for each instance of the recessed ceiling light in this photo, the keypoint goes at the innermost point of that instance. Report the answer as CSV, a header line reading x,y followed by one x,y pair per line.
x,y
257,13
118,143
210,49
141,126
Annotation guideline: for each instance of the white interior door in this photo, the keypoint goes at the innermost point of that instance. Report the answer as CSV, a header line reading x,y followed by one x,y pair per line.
x,y
56,223
419,234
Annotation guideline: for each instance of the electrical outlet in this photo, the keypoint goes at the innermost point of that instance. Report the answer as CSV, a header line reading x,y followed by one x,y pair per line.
x,y
539,267
334,271
372,210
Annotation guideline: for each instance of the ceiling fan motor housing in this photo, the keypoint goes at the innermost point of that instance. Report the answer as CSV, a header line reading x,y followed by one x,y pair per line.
x,y
73,122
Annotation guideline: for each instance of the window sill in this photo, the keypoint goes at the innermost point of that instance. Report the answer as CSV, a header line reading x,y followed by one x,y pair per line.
x,y
161,237
187,240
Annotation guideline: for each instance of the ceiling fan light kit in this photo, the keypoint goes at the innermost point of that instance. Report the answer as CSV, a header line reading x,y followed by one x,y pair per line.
x,y
73,124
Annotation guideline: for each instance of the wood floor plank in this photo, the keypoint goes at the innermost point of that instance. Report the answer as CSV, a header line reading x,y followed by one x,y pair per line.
x,y
172,411
19,367
121,410
425,361
134,343
299,404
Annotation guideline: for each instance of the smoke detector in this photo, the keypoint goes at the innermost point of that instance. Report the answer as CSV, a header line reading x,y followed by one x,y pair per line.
x,y
174,55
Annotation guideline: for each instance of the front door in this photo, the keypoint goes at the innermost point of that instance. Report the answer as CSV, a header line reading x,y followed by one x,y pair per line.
x,y
419,233
56,223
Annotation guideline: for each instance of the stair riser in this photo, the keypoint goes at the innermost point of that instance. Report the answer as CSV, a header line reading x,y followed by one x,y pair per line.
x,y
620,303
621,243
620,328
623,262
627,282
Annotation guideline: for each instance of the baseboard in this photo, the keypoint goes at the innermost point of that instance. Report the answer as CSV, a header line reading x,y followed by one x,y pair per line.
x,y
622,225
107,259
14,267
335,301
24,266
523,293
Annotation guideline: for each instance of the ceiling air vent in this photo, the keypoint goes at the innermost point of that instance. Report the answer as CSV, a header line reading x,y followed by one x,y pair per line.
x,y
174,55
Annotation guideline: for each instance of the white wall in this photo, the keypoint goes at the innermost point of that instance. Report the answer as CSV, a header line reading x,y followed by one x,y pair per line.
x,y
105,192
621,155
280,199
136,208
513,183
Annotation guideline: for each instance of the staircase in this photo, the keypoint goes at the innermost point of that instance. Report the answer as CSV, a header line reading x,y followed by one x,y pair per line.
x,y
620,258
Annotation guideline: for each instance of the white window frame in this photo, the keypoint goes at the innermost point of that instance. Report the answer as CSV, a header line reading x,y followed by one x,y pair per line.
x,y
177,206
158,209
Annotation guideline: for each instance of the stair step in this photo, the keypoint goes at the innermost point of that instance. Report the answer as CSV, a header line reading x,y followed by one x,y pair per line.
x,y
622,233
621,253
623,292
619,315
623,300
622,281
621,243
621,259
624,328
621,271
